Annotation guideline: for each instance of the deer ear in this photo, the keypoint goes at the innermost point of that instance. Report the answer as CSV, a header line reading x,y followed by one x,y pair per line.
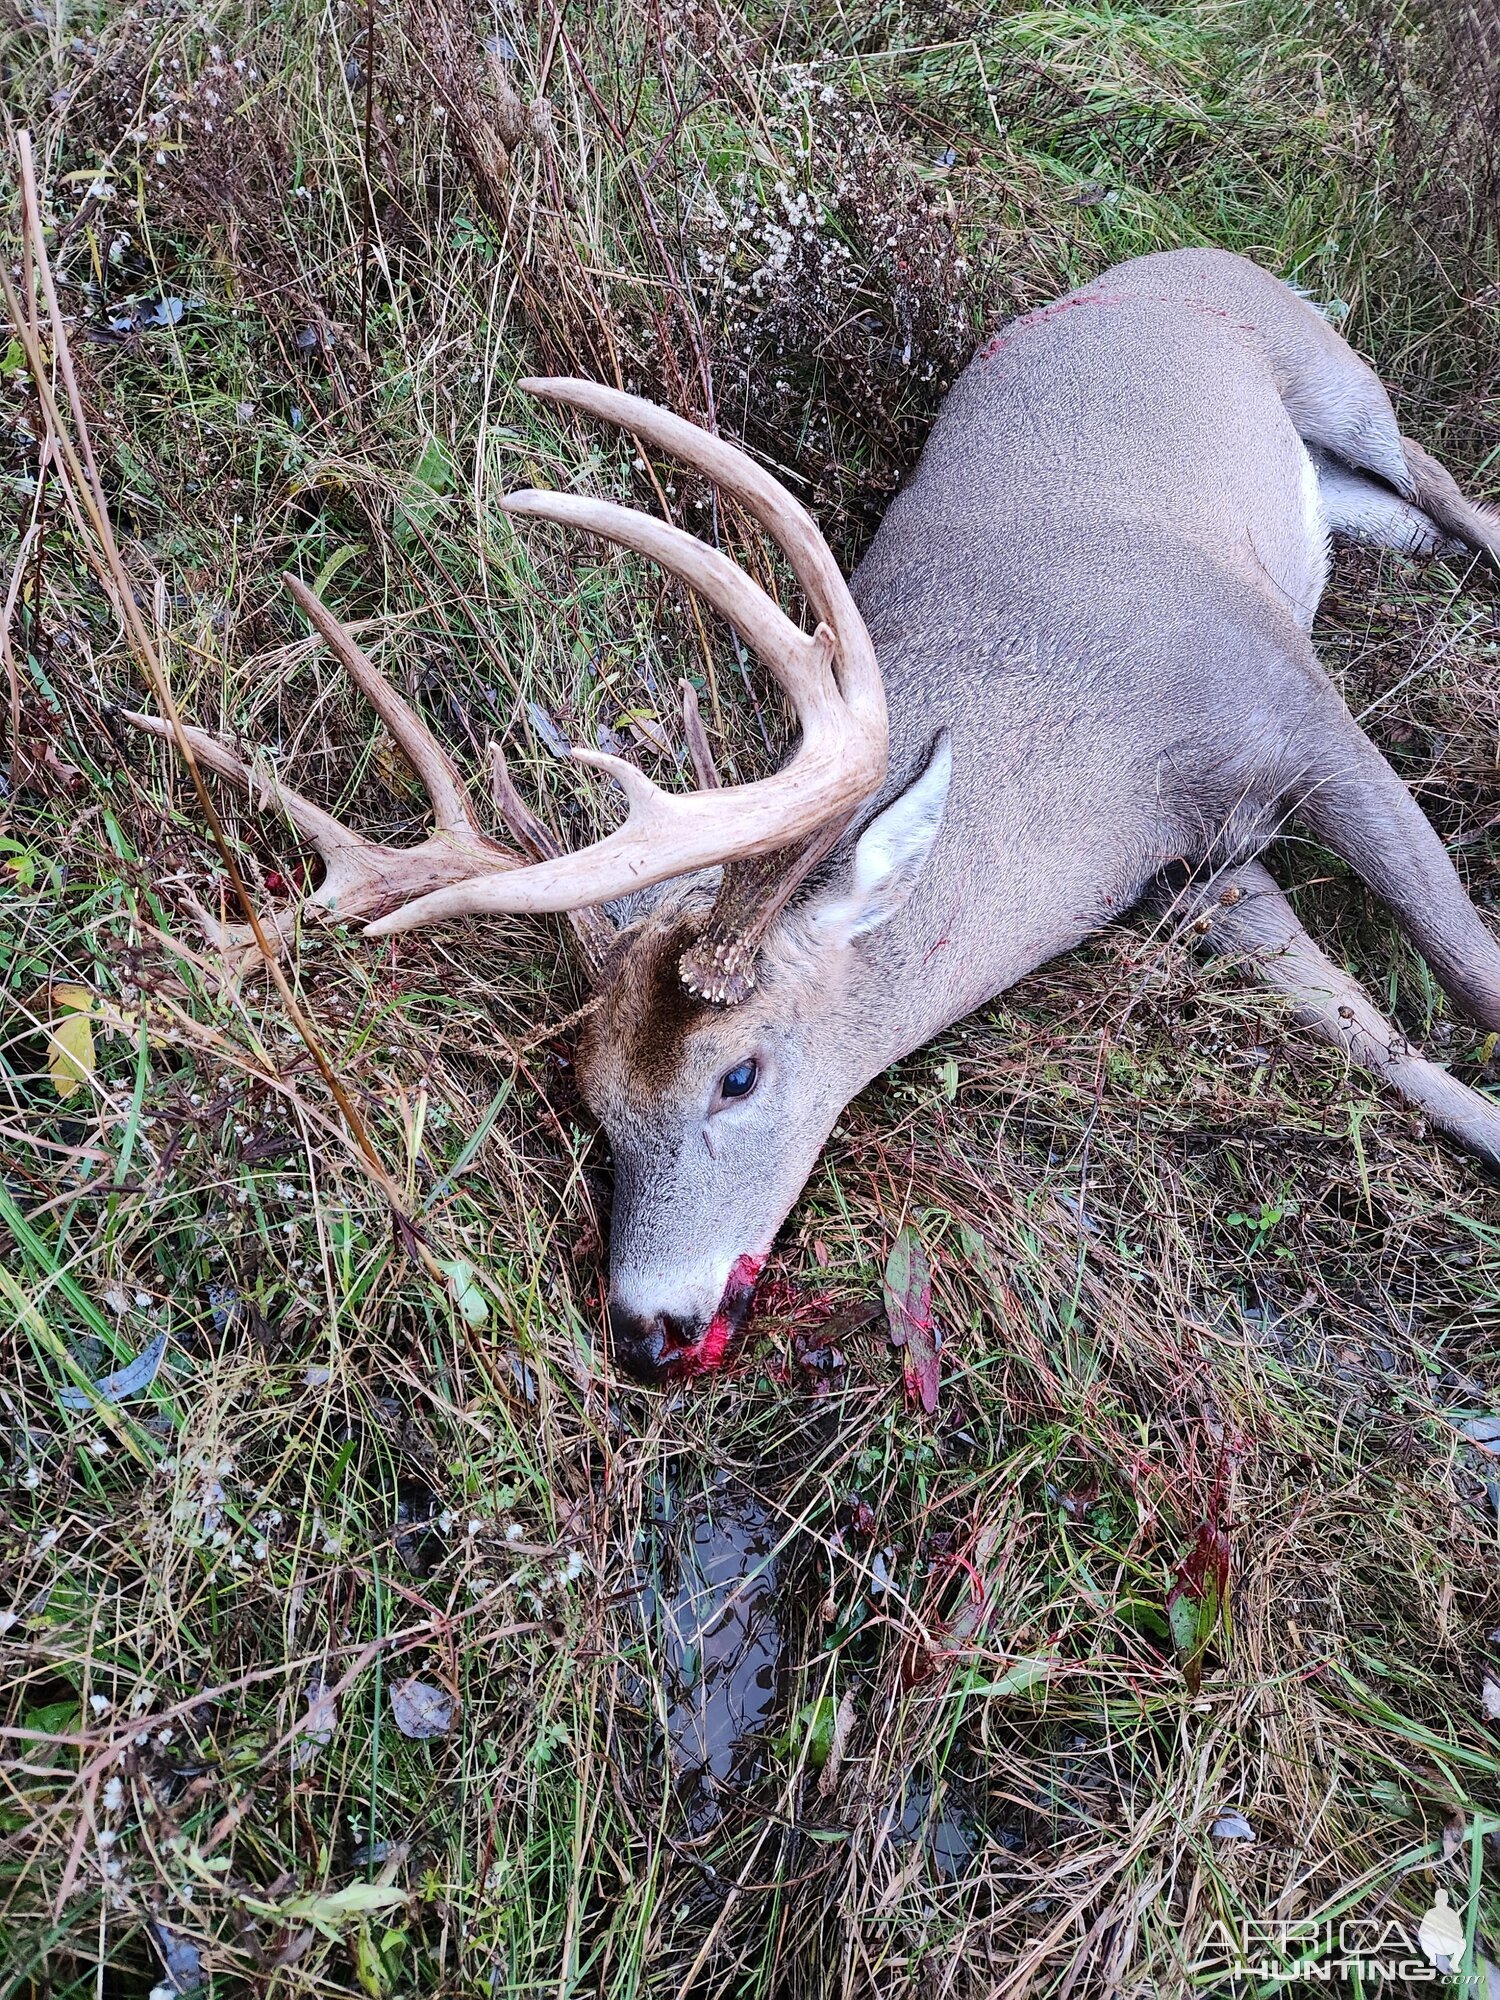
x,y
888,857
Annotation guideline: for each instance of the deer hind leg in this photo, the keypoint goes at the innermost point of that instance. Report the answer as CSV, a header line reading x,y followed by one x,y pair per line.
x,y
1413,502
1435,491
1342,413
1354,802
1242,913
1366,510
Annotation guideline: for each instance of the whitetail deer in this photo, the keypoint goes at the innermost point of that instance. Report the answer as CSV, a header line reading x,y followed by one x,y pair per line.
x,y
1090,608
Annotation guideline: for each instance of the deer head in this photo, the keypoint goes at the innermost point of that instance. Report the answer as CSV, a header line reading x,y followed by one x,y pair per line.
x,y
717,1109
724,1037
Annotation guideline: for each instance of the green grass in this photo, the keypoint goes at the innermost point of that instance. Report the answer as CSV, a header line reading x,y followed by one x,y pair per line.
x,y
1197,1281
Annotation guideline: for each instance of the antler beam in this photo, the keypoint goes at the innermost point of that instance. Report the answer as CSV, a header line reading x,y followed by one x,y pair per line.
x,y
831,678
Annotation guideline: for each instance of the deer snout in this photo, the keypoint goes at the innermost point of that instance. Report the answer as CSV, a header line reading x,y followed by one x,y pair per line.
x,y
651,1348
655,1345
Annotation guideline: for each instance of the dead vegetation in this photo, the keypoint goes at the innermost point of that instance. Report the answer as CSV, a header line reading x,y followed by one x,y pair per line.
x,y
370,1649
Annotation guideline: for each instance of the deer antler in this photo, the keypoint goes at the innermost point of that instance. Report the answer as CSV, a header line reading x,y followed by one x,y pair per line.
x,y
362,878
831,678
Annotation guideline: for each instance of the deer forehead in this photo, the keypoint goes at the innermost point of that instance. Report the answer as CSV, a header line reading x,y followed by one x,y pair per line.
x,y
648,1033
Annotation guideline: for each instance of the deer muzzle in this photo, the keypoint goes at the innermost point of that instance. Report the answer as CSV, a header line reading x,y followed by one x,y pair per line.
x,y
662,1347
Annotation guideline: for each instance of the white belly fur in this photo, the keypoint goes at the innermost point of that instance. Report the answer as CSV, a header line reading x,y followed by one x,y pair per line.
x,y
1315,527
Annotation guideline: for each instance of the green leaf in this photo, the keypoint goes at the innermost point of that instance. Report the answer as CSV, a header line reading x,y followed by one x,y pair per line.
x,y
908,1307
1142,1616
432,476
1018,1679
1199,1600
369,1966
435,467
811,1733
19,862
1185,1618
464,1290
57,1718
350,552
332,1910
1393,1797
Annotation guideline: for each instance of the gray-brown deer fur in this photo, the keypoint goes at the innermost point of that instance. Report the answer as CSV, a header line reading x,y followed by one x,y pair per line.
x,y
1098,582
1089,609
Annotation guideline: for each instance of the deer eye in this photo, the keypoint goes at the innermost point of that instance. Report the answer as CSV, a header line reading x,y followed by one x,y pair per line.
x,y
739,1081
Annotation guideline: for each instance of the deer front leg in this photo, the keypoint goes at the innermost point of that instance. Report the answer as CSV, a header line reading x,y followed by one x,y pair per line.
x,y
1243,914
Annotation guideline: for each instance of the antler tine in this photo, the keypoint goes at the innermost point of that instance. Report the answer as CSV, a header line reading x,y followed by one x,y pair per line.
x,y
784,518
799,663
594,931
699,753
451,807
361,877
537,840
334,841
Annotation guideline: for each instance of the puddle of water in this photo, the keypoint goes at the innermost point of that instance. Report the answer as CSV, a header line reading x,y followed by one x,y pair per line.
x,y
715,1643
952,1834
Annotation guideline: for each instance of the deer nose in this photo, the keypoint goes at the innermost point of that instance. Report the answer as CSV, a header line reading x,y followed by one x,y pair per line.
x,y
648,1348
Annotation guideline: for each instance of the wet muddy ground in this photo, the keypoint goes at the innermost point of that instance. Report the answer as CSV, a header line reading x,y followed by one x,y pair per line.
x,y
713,1661
713,1642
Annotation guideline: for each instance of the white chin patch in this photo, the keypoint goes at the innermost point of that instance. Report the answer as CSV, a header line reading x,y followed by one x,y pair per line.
x,y
692,1294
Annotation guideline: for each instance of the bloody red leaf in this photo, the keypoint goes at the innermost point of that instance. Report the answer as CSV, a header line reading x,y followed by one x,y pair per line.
x,y
1199,1600
908,1307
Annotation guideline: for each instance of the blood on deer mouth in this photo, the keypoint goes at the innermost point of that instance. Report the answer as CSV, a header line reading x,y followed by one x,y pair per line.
x,y
710,1349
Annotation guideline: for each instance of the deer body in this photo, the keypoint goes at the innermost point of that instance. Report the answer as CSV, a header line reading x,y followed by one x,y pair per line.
x,y
1072,674
1098,582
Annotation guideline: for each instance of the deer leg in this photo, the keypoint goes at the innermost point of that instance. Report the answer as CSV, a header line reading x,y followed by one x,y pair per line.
x,y
1362,509
1242,913
1343,414
1400,496
1436,492
1358,806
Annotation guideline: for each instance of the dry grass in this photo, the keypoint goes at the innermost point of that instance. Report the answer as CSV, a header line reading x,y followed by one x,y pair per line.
x,y
1197,1281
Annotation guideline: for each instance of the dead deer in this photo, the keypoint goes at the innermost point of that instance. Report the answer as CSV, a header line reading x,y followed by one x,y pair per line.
x,y
1072,676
